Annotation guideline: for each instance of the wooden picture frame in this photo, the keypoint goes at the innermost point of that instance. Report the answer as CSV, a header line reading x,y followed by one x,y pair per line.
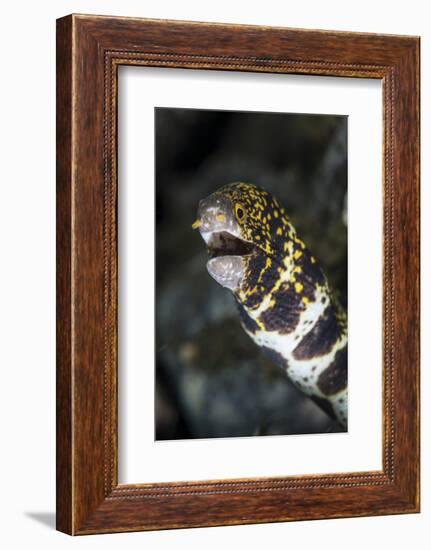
x,y
89,51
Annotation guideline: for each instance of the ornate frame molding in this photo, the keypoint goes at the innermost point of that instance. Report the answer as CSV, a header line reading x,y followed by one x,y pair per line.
x,y
90,49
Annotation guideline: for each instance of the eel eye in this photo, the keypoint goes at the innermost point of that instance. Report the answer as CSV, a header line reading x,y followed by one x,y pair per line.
x,y
239,212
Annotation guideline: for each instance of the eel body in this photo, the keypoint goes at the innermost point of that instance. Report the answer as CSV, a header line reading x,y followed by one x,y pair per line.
x,y
285,303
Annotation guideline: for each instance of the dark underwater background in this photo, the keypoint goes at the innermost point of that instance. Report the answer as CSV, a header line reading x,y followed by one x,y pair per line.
x,y
211,379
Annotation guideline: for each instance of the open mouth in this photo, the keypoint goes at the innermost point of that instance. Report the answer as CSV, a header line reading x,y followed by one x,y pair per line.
x,y
225,244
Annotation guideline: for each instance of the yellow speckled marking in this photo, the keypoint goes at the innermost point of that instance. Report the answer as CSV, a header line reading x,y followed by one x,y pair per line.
x,y
301,244
298,287
268,264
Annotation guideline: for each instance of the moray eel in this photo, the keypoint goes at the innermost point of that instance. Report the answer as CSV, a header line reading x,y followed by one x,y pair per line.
x,y
285,303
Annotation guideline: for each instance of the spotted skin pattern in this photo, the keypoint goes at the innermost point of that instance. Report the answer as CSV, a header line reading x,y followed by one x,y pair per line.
x,y
285,303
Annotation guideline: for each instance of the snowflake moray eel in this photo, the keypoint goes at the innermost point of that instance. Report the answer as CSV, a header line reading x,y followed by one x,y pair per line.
x,y
285,303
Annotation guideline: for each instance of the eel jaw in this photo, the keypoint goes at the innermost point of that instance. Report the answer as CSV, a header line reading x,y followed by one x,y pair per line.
x,y
227,258
227,271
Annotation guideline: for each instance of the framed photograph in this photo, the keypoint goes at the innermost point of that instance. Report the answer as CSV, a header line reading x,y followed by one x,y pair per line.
x,y
237,274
